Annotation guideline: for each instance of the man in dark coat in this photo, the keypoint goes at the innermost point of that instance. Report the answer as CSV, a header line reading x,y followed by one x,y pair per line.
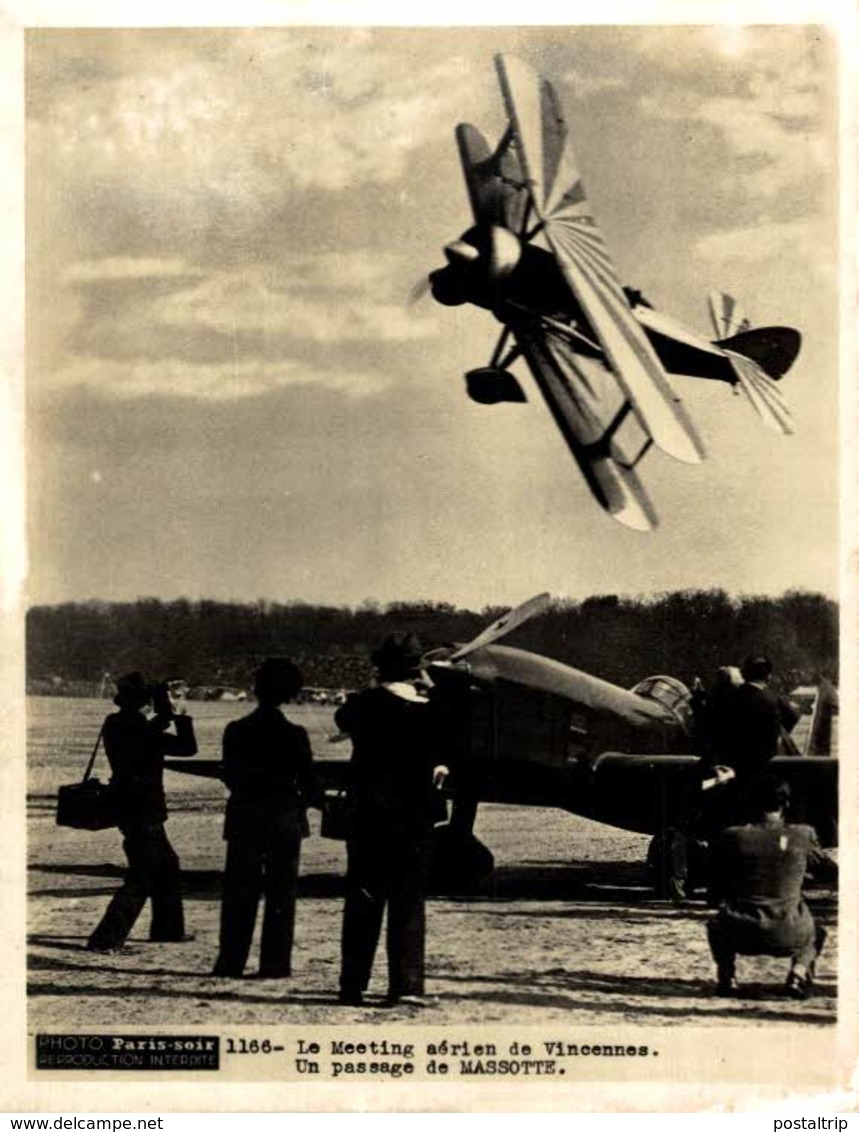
x,y
268,771
135,745
741,725
395,773
758,716
757,875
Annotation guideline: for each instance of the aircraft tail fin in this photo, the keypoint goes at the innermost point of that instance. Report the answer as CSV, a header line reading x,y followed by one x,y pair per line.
x,y
820,733
726,315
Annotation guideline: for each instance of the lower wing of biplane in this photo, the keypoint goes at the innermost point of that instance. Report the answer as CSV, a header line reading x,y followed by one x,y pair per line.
x,y
537,259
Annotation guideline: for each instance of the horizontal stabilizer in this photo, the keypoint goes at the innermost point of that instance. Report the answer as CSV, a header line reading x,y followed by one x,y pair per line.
x,y
773,348
763,393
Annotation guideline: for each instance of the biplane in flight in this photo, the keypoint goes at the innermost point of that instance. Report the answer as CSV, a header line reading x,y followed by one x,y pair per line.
x,y
529,730
599,352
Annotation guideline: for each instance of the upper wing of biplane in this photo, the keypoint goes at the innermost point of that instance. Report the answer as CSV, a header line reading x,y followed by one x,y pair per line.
x,y
558,200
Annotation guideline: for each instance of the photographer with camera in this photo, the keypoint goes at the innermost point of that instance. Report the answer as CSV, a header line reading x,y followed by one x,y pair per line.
x,y
136,739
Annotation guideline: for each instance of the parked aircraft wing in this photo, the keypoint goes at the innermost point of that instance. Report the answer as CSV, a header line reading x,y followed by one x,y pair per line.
x,y
199,768
333,773
595,418
561,206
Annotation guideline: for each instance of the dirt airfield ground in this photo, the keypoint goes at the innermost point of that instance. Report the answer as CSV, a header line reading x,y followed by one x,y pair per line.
x,y
570,933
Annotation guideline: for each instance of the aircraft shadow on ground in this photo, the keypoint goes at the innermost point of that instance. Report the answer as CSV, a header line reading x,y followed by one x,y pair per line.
x,y
49,963
623,987
591,882
148,991
554,988
727,1008
534,880
630,986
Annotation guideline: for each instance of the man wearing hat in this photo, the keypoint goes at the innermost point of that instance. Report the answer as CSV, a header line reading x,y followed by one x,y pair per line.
x,y
268,771
757,718
395,773
136,740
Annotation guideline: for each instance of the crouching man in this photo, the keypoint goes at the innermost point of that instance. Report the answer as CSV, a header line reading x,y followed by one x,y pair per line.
x,y
756,882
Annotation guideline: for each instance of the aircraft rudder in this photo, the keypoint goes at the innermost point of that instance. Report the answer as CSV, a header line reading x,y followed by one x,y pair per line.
x,y
726,315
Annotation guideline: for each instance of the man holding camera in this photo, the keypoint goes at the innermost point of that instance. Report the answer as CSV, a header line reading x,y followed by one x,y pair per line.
x,y
136,739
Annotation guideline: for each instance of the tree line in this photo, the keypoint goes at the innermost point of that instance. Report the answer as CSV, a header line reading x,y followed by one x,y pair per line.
x,y
683,633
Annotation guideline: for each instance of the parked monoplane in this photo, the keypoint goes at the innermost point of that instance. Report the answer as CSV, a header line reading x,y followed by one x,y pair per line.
x,y
529,730
536,258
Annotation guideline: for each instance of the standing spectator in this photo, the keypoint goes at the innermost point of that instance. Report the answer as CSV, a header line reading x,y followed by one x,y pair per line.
x,y
136,742
743,724
268,771
395,770
712,712
756,882
758,718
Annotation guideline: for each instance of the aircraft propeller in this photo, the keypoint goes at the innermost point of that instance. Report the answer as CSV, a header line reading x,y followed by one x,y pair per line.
x,y
419,290
504,625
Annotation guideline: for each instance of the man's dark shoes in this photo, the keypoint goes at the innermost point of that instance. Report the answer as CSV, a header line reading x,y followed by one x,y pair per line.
x,y
223,971
350,997
798,986
187,937
405,1000
274,973
105,948
726,984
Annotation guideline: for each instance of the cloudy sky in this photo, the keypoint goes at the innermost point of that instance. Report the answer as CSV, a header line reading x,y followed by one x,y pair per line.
x,y
230,396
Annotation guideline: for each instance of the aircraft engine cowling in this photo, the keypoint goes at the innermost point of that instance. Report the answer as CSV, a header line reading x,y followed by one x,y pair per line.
x,y
670,693
502,251
492,250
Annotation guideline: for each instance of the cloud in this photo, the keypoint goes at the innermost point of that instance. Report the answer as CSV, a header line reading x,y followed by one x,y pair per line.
x,y
582,85
333,298
221,383
797,241
773,118
123,268
233,132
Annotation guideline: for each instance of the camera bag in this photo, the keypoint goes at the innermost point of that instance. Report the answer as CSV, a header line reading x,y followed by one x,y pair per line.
x,y
88,804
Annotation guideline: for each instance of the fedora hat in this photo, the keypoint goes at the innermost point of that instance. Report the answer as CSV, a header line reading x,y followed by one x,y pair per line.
x,y
132,690
277,678
399,655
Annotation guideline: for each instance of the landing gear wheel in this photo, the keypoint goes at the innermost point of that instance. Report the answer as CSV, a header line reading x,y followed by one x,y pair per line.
x,y
677,864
